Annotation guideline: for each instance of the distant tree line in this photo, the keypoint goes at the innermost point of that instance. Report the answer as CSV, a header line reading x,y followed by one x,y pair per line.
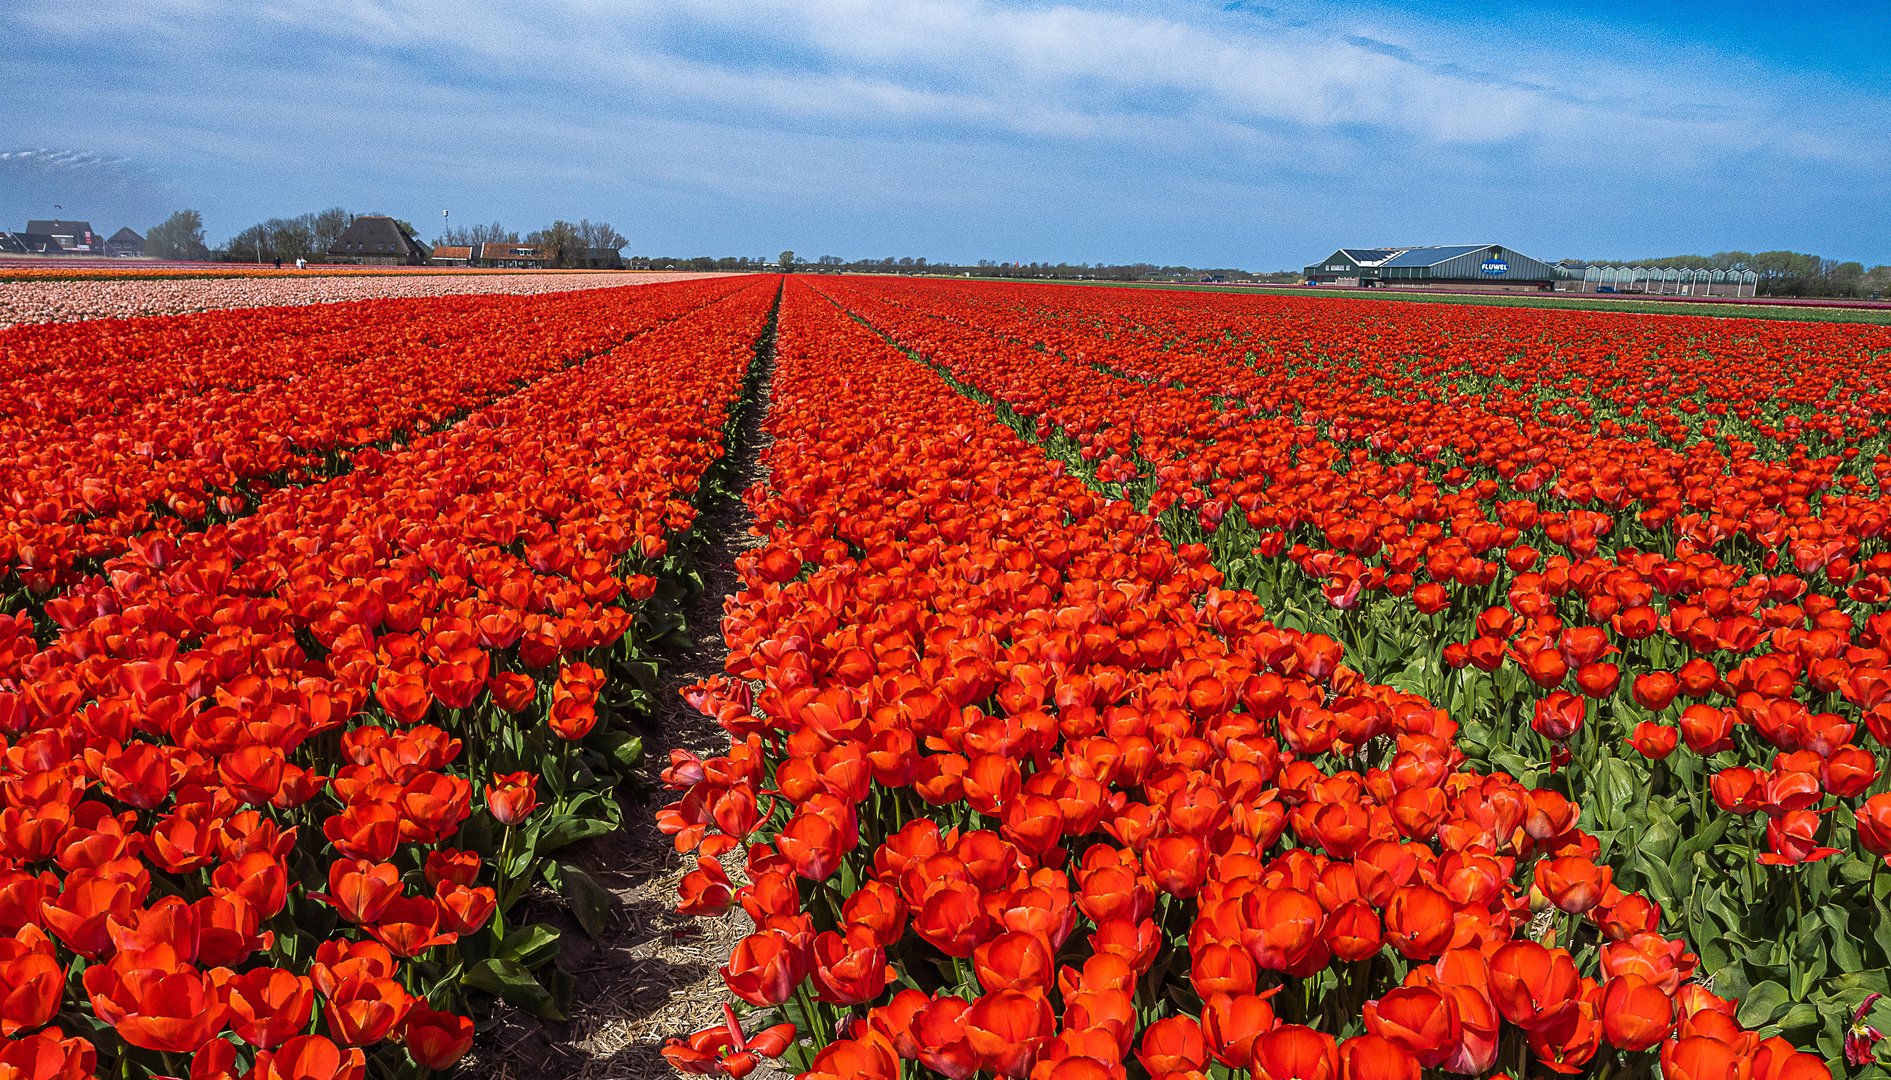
x,y
703,263
1786,273
1080,271
982,268
307,236
565,243
181,236
310,236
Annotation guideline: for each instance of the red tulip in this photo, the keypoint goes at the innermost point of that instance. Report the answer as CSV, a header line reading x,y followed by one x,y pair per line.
x,y
1567,1043
172,1011
705,890
1231,1023
362,1011
1777,1059
866,1058
1655,690
31,981
1006,1028
765,968
1418,922
1177,864
953,919
1702,1058
1286,934
1597,679
1371,1057
1531,984
1874,825
1353,931
1635,1013
1013,961
309,1057
1293,1052
269,1006
359,890
1706,729
1654,741
850,969
1792,839
1573,883
1738,790
1419,1019
436,1040
1660,961
463,910
48,1054
940,1038
410,925
1172,1045
512,798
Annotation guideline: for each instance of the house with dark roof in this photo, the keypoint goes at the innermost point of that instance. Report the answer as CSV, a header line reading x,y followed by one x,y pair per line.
x,y
598,258
377,240
125,242
30,243
1350,266
74,236
1455,265
513,255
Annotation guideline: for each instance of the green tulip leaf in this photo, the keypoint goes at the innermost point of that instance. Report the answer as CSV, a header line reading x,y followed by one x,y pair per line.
x,y
529,946
513,984
1761,1003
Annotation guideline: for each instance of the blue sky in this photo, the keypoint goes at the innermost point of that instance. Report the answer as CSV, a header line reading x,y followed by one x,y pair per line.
x,y
1251,134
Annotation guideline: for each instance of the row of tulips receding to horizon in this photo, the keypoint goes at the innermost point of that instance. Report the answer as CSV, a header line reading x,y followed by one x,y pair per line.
x,y
126,431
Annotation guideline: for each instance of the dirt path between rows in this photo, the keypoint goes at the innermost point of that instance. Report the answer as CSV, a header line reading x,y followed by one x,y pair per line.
x,y
653,974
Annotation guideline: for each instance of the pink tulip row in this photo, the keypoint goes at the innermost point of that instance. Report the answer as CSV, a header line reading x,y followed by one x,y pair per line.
x,y
71,301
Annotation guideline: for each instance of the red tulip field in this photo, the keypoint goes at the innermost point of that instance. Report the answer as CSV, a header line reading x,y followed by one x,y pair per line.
x,y
1127,683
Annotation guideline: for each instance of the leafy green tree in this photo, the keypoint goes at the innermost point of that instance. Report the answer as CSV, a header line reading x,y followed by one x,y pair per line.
x,y
180,236
1876,282
787,261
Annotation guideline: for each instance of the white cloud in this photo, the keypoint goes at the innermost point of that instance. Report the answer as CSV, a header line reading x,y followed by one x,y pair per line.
x,y
1042,71
981,111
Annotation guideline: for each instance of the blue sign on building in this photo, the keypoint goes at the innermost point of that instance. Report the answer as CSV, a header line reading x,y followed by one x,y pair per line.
x,y
1494,267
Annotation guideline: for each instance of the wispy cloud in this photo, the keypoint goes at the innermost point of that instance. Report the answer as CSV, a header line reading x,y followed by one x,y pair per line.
x,y
34,181
1057,71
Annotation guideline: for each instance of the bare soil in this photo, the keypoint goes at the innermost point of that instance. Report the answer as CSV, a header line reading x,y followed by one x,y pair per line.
x,y
653,974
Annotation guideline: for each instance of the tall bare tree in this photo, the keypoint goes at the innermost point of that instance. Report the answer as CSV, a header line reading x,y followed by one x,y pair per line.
x,y
474,235
599,235
563,246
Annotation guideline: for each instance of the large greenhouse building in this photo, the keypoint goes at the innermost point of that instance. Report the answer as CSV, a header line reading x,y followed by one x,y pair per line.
x,y
1495,267
1485,266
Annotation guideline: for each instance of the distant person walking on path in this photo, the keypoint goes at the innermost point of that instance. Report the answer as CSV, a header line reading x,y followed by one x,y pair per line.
x,y
278,262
